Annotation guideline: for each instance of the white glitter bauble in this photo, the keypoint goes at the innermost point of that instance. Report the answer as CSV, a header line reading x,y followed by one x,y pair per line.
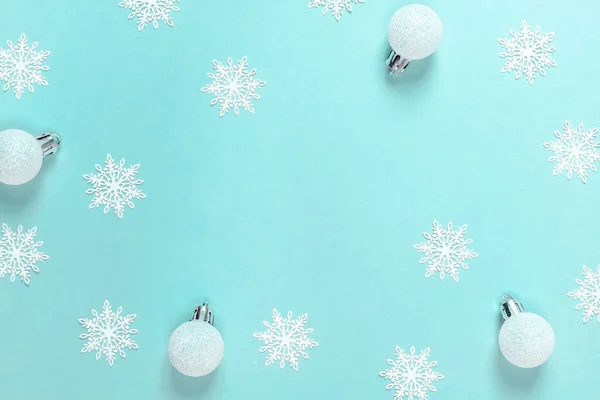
x,y
526,340
21,157
196,348
415,31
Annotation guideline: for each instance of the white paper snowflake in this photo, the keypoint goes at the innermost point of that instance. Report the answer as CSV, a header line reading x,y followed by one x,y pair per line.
x,y
575,151
19,253
588,294
148,11
108,333
336,6
527,52
233,86
445,251
114,186
21,66
411,375
286,340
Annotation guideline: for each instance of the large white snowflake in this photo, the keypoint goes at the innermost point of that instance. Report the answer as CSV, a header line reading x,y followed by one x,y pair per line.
x,y
233,86
411,375
575,151
527,52
114,186
286,340
21,66
588,294
336,6
150,11
445,251
19,253
108,333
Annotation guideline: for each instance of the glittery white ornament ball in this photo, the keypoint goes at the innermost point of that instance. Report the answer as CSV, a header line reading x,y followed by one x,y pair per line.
x,y
196,348
415,31
526,340
21,157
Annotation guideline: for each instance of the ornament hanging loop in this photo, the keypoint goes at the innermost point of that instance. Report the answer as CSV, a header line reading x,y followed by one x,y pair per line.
x,y
203,313
510,307
49,143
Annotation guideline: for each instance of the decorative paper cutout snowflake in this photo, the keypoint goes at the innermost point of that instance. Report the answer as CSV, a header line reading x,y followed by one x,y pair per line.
x,y
445,251
527,52
21,66
114,186
411,375
575,151
233,86
19,253
588,294
108,333
336,6
285,340
148,11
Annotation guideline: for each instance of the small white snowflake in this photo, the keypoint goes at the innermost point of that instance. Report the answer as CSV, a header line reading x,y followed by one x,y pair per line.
x,y
527,52
148,11
21,66
575,151
445,251
233,86
114,186
108,333
19,253
336,6
286,340
588,294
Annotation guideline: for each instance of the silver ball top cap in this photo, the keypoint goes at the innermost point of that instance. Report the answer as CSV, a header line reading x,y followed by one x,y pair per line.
x,y
510,307
203,313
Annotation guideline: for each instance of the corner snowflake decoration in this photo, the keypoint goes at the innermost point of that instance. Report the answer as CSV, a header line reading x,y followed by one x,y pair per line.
x,y
114,186
150,11
336,6
286,340
588,294
527,52
108,333
445,251
575,151
19,253
233,86
21,66
411,375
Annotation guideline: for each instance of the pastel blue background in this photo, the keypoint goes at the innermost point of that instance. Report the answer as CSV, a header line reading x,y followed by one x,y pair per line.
x,y
312,204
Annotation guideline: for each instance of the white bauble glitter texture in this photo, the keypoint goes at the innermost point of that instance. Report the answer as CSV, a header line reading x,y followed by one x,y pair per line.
x,y
415,31
20,157
526,340
196,348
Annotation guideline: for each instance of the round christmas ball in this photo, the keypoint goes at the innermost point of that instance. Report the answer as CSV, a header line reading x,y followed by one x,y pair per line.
x,y
196,348
415,31
526,340
21,157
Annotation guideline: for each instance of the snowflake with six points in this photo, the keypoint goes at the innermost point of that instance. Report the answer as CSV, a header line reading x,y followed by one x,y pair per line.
x,y
336,6
527,52
286,340
233,86
411,375
21,66
150,11
588,294
445,251
19,253
108,333
114,186
575,151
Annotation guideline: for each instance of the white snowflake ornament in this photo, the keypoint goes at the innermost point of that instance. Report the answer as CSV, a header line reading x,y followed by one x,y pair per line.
x,y
108,333
19,253
286,340
411,375
588,294
527,52
150,11
575,151
233,86
336,6
114,186
446,251
21,66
